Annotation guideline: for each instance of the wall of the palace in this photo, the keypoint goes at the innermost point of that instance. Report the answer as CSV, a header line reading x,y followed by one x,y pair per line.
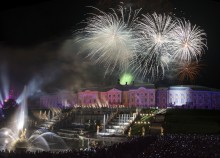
x,y
178,96
88,97
161,100
175,96
141,97
188,98
114,97
63,99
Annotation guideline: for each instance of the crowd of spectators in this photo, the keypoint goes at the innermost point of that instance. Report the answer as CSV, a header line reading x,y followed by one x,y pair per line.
x,y
184,146
166,146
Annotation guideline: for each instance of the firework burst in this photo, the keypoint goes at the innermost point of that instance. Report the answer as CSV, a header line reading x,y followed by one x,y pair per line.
x,y
109,38
147,47
188,71
188,41
155,31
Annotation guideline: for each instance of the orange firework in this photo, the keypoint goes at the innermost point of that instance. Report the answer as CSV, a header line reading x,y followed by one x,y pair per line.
x,y
188,71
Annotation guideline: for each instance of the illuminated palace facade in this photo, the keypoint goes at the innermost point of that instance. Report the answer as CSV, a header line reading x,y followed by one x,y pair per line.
x,y
143,96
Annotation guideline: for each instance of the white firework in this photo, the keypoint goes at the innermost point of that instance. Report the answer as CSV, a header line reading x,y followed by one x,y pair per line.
x,y
188,41
118,39
109,38
155,31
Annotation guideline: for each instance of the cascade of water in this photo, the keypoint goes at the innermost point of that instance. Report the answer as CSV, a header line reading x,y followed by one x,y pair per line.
x,y
104,123
40,140
48,115
40,115
119,119
107,118
22,111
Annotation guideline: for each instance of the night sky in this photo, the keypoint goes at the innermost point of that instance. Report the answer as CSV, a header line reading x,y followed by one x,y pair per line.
x,y
36,41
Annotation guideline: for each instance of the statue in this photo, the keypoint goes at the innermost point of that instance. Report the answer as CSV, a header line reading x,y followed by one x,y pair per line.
x,y
21,144
143,131
22,134
97,129
129,132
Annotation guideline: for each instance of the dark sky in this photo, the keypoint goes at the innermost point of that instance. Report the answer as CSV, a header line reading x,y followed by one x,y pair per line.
x,y
36,40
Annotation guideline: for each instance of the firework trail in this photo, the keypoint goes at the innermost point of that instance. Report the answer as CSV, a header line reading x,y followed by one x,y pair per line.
x,y
188,41
109,38
155,31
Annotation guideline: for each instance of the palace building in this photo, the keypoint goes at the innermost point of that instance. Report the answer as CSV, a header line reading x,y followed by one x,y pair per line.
x,y
142,95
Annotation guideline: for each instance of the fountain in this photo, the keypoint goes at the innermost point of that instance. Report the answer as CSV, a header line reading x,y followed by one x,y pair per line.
x,y
16,137
48,116
118,125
